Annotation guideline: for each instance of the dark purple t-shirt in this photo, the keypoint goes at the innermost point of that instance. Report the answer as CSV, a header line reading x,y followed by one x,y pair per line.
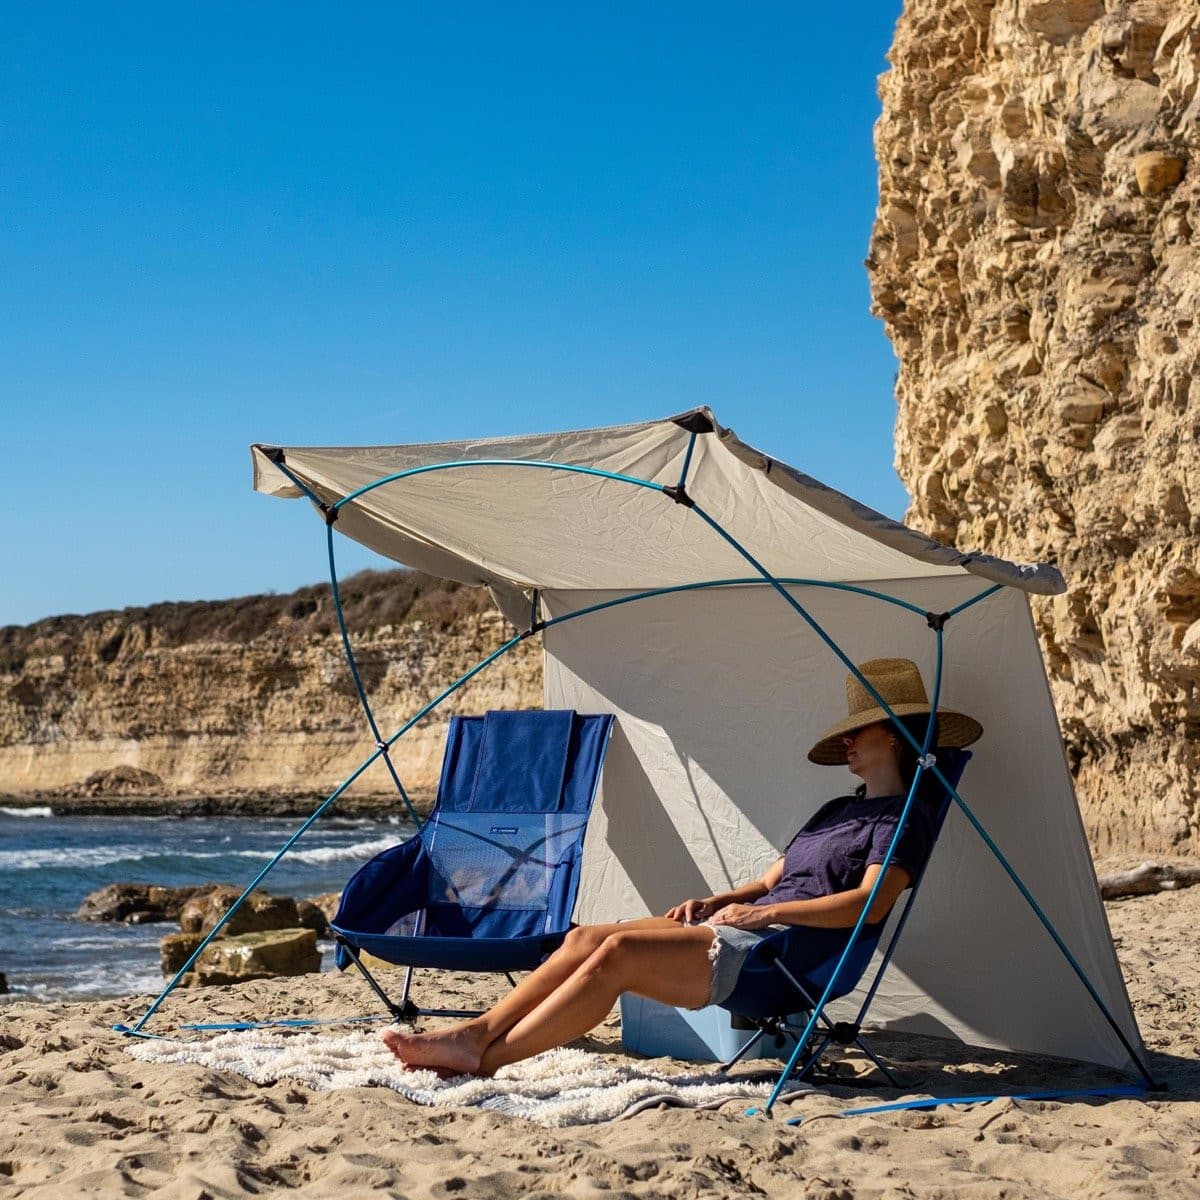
x,y
844,837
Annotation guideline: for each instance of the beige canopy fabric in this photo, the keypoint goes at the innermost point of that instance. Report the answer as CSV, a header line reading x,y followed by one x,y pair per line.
x,y
719,692
516,526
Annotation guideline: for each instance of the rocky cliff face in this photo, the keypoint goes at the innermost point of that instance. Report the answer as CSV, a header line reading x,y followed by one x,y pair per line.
x,y
249,695
1035,260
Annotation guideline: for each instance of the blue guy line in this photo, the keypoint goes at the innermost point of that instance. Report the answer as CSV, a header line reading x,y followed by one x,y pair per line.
x,y
284,1023
1116,1091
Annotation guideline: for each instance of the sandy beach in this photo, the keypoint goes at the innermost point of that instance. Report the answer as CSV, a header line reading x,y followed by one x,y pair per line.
x,y
82,1117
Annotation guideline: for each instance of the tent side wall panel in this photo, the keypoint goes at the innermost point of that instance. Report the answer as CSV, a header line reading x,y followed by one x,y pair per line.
x,y
719,694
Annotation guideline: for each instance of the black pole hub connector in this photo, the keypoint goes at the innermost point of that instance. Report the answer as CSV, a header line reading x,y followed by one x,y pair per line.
x,y
937,620
678,493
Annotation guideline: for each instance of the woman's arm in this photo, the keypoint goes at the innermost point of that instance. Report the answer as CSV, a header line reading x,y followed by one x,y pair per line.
x,y
691,911
838,911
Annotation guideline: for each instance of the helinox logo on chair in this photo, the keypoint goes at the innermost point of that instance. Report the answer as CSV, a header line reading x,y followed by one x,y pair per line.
x,y
504,829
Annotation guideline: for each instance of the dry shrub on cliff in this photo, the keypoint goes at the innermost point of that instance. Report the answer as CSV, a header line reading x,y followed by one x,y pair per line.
x,y
370,600
442,608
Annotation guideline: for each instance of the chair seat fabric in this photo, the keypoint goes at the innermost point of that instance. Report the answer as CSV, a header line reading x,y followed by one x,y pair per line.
x,y
811,955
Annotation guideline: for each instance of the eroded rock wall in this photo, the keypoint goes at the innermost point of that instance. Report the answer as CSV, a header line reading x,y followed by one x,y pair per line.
x,y
1036,263
251,695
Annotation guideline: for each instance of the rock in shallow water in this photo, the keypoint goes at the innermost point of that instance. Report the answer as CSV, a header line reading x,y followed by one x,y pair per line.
x,y
175,949
312,916
138,903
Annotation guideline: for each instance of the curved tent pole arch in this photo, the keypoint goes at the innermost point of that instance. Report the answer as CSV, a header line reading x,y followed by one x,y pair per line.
x,y
678,494
465,678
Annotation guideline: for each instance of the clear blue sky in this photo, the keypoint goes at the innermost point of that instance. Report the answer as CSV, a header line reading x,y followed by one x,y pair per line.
x,y
299,223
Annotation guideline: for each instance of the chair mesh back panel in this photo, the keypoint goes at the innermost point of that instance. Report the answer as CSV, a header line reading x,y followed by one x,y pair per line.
x,y
503,865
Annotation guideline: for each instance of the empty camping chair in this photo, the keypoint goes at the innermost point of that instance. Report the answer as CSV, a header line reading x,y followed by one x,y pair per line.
x,y
489,882
786,974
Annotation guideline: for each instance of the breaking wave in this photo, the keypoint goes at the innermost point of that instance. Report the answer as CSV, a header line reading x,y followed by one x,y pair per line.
x,y
40,858
328,854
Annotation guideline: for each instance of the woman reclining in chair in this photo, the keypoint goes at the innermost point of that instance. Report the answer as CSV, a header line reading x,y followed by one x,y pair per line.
x,y
691,956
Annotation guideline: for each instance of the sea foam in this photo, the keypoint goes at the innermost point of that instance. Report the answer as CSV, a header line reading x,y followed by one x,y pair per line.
x,y
328,854
39,858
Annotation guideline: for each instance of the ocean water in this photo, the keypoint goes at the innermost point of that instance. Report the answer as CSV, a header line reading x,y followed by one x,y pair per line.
x,y
48,864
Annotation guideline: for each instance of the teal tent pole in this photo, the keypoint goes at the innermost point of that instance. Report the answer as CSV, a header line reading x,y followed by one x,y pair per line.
x,y
936,621
1046,923
819,1007
679,494
380,744
330,515
428,708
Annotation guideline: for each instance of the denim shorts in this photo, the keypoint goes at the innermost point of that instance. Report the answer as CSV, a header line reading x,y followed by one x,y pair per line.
x,y
727,953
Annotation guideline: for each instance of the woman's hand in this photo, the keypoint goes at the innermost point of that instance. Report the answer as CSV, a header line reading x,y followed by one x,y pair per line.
x,y
741,916
690,912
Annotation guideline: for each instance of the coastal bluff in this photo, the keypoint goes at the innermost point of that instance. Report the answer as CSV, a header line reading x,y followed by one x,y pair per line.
x,y
248,697
1036,262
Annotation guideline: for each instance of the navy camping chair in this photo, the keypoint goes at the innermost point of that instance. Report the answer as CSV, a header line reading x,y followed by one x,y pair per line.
x,y
489,882
785,974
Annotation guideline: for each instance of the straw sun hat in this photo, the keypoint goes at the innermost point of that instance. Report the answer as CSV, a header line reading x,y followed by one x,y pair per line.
x,y
898,681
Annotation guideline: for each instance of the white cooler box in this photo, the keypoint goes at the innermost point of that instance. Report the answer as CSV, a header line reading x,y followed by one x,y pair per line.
x,y
697,1035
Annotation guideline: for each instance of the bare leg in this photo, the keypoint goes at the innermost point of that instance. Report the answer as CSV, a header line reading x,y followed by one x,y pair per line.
x,y
460,1048
671,965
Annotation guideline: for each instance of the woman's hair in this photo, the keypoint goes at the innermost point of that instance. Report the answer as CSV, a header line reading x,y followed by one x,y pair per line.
x,y
929,791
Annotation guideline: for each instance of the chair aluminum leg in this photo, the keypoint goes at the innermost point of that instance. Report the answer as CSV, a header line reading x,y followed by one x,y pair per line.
x,y
831,1027
811,1061
400,1012
737,1058
406,1010
887,1073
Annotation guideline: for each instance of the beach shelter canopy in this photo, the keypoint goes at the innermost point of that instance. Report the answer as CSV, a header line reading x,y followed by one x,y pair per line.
x,y
719,691
510,526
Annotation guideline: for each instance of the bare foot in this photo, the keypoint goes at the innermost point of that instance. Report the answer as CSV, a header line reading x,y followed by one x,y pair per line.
x,y
456,1051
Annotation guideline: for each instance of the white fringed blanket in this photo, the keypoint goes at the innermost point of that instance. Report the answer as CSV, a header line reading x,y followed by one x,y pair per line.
x,y
560,1087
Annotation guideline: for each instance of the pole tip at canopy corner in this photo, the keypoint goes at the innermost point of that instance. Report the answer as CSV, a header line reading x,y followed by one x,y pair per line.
x,y
268,478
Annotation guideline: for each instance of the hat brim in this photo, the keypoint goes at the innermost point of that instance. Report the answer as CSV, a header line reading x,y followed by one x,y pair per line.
x,y
954,729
